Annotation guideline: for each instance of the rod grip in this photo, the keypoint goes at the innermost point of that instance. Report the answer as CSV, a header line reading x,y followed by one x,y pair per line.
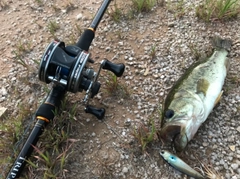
x,y
26,151
46,111
86,39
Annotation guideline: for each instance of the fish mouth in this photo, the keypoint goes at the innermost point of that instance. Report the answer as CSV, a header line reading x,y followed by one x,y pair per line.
x,y
172,133
169,131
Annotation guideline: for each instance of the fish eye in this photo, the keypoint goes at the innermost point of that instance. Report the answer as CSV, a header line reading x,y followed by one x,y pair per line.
x,y
162,152
169,113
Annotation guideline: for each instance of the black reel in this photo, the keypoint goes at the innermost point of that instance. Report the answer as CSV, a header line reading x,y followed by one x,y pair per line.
x,y
69,66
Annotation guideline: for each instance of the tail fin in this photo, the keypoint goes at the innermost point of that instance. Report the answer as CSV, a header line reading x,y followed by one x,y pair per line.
x,y
220,43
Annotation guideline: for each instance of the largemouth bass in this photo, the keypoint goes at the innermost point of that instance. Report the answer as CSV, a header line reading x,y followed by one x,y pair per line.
x,y
180,165
194,95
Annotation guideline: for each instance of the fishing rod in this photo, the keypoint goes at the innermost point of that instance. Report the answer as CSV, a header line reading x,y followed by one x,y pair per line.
x,y
68,68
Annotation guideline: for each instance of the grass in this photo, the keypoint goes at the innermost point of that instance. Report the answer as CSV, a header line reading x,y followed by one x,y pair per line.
x,y
3,5
153,51
194,50
209,171
133,8
39,1
145,135
53,26
19,58
74,35
22,48
12,134
177,8
143,5
54,146
54,164
115,12
69,6
212,10
51,152
106,169
114,87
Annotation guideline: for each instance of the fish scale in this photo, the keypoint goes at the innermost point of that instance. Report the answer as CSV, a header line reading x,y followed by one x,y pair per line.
x,y
194,95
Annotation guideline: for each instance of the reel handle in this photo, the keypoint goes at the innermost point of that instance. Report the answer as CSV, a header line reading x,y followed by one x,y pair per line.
x,y
98,112
117,69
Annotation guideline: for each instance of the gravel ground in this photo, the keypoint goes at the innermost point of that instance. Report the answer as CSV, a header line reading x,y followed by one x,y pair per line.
x,y
108,149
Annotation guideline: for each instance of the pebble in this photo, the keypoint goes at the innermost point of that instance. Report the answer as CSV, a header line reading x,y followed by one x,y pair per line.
x,y
125,170
79,16
234,166
120,43
3,91
238,128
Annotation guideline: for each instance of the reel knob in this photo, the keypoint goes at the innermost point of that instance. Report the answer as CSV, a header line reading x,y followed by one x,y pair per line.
x,y
117,69
98,112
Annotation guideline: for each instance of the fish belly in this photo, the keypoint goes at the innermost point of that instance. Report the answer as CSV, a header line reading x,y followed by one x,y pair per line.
x,y
214,74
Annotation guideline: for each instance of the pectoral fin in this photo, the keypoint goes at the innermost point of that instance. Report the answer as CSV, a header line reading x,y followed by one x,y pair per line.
x,y
218,98
202,86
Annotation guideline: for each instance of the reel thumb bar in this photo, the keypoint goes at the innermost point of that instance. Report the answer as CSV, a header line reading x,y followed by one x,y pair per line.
x,y
44,115
88,35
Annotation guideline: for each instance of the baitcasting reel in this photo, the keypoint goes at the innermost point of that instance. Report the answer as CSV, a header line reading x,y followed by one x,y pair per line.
x,y
69,66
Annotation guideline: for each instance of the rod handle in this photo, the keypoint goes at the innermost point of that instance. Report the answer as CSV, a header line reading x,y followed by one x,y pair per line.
x,y
86,39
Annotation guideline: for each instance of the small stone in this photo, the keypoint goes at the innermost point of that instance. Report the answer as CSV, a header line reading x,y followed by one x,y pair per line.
x,y
232,147
234,166
79,16
127,122
125,170
3,91
2,111
171,24
205,144
64,11
108,48
120,43
238,128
